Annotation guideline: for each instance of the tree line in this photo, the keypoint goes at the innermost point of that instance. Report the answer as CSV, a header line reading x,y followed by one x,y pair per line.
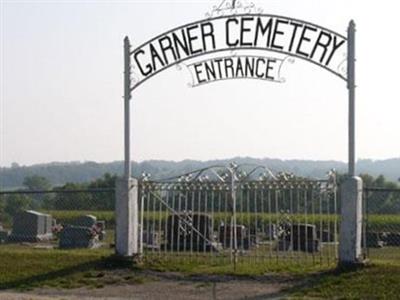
x,y
58,198
381,202
61,173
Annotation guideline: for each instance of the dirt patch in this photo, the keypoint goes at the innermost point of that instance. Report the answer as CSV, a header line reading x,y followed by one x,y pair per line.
x,y
168,286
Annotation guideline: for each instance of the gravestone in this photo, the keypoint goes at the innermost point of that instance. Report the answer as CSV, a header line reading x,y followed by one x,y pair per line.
x,y
271,232
77,237
392,239
3,235
305,238
326,236
82,232
189,231
301,237
100,228
243,239
31,226
375,240
151,239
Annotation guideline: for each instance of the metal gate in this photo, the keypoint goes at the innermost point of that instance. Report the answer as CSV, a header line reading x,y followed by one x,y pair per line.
x,y
238,213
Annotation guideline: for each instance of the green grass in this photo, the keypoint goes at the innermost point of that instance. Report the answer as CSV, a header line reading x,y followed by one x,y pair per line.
x,y
384,255
25,267
388,223
223,266
22,268
380,279
375,281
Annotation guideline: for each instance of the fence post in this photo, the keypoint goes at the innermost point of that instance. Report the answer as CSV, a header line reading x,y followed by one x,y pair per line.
x,y
350,252
126,204
126,217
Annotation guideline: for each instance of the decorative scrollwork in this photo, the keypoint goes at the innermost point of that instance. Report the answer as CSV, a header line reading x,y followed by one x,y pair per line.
x,y
181,66
134,77
288,59
342,66
228,7
332,177
145,176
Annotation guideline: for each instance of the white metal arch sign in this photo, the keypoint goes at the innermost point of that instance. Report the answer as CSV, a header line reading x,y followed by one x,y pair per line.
x,y
238,33
233,45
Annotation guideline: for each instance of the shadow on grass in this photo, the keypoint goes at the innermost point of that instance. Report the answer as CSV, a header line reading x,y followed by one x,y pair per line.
x,y
90,274
106,263
314,280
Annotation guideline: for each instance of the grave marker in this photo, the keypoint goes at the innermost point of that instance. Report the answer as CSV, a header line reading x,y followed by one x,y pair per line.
x,y
31,226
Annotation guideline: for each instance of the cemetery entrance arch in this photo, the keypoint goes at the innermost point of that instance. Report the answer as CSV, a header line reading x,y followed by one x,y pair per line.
x,y
231,44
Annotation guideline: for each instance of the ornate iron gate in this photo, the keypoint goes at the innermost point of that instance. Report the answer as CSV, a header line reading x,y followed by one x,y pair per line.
x,y
239,212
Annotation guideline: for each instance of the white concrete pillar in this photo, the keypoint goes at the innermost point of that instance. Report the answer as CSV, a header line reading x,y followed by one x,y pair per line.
x,y
350,251
126,217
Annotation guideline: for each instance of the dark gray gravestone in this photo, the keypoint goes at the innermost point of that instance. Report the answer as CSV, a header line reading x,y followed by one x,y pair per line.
x,y
101,229
243,238
392,239
271,232
77,237
3,235
31,226
189,231
326,236
151,239
374,240
305,238
82,232
300,237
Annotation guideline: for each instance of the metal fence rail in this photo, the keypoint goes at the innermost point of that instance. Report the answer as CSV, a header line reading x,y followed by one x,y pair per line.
x,y
381,234
228,214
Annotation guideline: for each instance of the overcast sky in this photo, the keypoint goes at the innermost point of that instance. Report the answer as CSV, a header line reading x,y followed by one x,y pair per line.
x,y
62,86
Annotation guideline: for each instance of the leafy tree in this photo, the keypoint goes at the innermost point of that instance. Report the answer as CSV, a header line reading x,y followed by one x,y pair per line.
x,y
368,180
107,181
36,182
104,200
380,181
2,208
86,200
384,201
16,203
72,201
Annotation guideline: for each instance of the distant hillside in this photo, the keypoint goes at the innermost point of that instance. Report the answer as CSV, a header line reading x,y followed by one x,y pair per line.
x,y
60,173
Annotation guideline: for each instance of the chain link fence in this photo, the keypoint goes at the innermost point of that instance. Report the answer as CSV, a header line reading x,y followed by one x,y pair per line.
x,y
381,234
61,218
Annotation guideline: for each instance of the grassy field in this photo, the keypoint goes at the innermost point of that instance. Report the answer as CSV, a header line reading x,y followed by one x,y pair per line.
x,y
375,281
23,268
